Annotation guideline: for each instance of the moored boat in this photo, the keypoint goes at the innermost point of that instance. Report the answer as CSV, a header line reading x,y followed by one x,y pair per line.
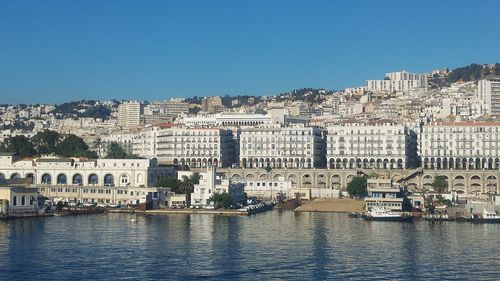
x,y
486,217
355,215
437,217
383,214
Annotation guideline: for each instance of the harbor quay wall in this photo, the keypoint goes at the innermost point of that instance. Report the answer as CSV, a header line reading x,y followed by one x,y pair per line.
x,y
465,181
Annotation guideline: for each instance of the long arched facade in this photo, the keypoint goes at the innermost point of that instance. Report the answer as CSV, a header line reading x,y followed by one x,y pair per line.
x,y
366,163
460,163
277,163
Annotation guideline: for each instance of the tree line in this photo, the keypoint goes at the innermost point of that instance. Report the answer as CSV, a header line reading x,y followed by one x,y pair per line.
x,y
47,142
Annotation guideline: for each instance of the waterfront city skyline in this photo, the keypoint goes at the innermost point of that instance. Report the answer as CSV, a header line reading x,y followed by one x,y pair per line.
x,y
58,51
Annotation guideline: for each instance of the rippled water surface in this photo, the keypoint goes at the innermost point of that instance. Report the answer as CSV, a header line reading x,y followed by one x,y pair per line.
x,y
272,245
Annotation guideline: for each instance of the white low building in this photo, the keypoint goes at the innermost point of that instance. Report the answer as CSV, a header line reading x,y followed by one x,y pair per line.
x,y
269,189
382,193
108,195
86,172
108,181
18,200
211,183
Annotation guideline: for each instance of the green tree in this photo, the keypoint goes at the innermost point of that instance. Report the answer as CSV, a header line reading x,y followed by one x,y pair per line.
x,y
46,142
195,178
115,151
222,199
186,186
171,182
73,146
440,184
357,187
19,145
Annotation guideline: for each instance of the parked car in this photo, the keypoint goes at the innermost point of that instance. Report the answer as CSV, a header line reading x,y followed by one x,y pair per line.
x,y
73,203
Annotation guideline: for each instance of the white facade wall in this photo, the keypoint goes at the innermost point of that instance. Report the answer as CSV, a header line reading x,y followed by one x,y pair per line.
x,y
269,188
391,85
210,183
129,115
239,120
398,81
105,194
195,147
76,172
360,145
461,145
279,147
489,94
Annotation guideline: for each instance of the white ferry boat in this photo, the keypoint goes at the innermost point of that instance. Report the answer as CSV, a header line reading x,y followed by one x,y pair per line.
x,y
486,217
383,214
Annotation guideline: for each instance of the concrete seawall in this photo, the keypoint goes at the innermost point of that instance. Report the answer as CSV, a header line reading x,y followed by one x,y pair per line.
x,y
332,205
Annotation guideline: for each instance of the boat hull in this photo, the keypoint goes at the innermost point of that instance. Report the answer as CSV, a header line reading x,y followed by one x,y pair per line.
x,y
400,219
481,220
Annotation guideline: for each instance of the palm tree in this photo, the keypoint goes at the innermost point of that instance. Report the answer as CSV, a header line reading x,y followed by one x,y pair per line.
x,y
187,187
97,144
195,178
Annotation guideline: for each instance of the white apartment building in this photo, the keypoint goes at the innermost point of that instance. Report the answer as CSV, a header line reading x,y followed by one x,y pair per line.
x,y
171,107
461,145
195,147
276,146
83,172
489,94
129,114
211,183
125,140
405,75
144,143
391,85
398,81
381,145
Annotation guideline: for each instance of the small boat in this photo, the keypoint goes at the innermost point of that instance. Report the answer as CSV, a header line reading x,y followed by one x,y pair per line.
x,y
486,217
383,214
437,217
355,215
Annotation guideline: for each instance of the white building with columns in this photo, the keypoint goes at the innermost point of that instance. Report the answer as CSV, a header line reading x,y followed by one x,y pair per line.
x,y
225,119
109,181
195,147
86,172
276,146
461,145
382,145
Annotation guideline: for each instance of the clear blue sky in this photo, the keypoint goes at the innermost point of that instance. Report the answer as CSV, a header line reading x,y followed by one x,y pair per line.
x,y
55,51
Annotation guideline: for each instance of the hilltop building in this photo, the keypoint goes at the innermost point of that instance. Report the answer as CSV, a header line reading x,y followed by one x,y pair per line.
x,y
398,81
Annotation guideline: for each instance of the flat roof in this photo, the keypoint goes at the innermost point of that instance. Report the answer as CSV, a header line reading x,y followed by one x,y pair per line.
x,y
466,123
54,160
